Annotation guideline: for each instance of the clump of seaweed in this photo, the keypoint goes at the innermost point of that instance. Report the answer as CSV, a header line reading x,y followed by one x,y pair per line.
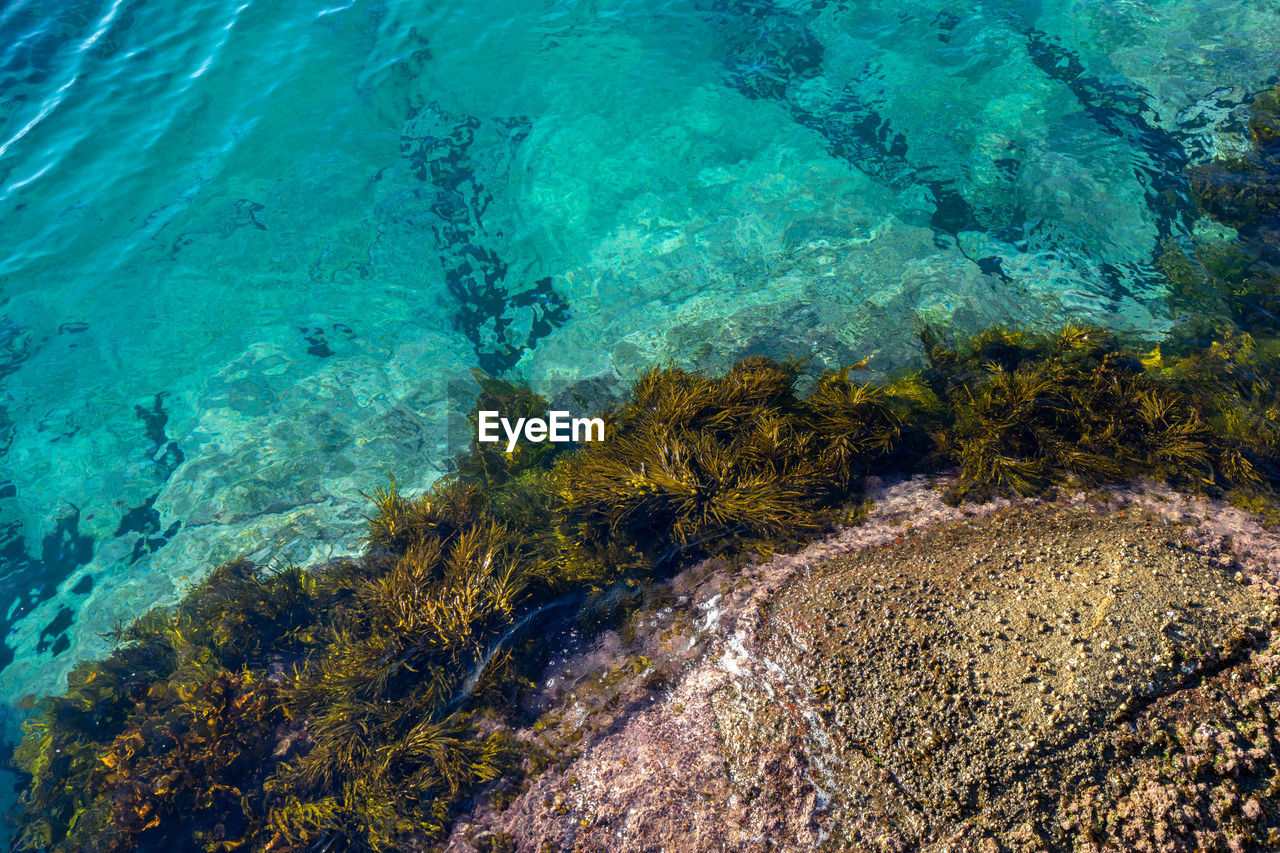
x,y
489,465
1225,290
385,697
696,464
278,710
157,745
1030,411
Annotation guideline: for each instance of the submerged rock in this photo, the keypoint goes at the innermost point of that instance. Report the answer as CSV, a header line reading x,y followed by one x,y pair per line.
x,y
1075,675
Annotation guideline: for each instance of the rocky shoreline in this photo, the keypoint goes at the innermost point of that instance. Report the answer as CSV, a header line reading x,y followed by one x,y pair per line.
x,y
1090,672
580,649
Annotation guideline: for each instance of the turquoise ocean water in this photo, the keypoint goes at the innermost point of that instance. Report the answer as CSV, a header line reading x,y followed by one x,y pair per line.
x,y
253,250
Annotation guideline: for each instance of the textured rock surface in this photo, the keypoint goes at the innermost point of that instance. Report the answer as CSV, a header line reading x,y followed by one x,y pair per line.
x,y
956,681
1088,674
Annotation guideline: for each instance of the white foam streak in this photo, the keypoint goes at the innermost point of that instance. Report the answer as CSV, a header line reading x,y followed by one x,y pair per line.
x,y
222,43
47,107
322,13
13,188
107,20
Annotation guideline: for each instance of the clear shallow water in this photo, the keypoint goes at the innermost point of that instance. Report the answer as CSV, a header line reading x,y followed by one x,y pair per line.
x,y
252,251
